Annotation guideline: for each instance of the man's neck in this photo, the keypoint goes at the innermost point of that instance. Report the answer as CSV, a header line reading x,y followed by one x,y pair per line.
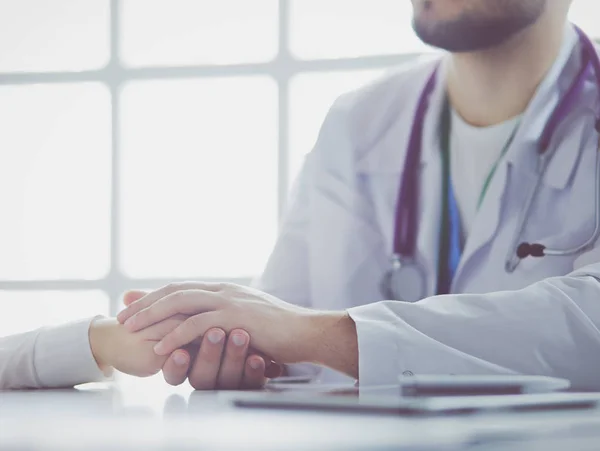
x,y
492,86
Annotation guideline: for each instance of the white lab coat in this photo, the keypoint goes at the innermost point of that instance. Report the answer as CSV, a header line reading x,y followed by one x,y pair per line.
x,y
337,237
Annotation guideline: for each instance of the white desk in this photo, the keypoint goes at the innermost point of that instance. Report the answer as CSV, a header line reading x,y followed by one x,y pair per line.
x,y
150,415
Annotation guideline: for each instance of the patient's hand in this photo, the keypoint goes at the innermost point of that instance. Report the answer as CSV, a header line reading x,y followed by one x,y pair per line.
x,y
132,353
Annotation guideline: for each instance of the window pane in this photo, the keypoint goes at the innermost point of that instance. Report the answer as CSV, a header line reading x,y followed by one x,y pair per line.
x,y
54,181
57,35
351,28
199,177
27,310
585,13
185,32
311,96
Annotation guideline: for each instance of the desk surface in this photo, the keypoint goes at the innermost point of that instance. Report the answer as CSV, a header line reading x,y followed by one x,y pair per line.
x,y
148,414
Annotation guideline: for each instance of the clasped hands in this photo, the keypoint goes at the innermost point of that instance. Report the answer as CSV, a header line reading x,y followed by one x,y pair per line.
x,y
219,336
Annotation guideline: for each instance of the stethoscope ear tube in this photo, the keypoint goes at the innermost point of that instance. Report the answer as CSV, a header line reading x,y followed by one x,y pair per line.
x,y
514,257
530,250
524,250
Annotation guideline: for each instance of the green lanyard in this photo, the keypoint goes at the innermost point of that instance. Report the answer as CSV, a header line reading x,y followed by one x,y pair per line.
x,y
446,127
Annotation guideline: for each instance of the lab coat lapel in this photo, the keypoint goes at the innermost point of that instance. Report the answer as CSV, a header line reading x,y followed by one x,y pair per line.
x,y
384,164
487,219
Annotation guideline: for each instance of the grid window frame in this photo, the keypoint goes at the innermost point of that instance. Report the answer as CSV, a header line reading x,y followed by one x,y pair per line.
x,y
115,74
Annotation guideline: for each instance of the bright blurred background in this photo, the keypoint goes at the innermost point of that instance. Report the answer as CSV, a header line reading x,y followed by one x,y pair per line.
x,y
146,141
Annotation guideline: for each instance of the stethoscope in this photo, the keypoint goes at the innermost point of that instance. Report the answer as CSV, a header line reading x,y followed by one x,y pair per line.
x,y
406,280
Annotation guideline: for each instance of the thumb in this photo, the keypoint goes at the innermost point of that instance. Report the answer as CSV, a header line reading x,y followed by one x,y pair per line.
x,y
134,295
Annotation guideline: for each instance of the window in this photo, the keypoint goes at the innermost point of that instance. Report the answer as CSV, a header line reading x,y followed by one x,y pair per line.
x,y
145,141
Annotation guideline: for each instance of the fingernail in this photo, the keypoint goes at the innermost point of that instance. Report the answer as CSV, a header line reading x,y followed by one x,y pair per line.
x,y
180,359
254,364
159,348
239,340
215,336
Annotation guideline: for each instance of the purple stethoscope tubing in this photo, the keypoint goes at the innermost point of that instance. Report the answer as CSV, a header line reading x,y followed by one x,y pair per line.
x,y
404,267
519,251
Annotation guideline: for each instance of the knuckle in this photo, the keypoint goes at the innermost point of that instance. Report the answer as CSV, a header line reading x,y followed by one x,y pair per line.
x,y
177,295
210,356
142,317
178,335
180,332
193,323
171,287
227,286
188,330
175,302
180,318
235,355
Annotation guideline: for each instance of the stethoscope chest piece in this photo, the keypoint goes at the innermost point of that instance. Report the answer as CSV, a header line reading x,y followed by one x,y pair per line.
x,y
405,281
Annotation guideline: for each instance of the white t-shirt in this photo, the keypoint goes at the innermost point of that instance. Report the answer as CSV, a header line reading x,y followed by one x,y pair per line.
x,y
473,153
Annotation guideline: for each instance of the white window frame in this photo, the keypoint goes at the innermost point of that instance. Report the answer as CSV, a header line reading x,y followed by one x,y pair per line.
x,y
282,68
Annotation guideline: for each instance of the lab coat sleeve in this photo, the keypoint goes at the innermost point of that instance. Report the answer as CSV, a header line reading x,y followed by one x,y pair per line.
x,y
550,328
48,358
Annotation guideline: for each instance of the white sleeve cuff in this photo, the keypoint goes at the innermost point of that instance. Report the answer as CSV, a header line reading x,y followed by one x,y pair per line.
x,y
378,352
63,356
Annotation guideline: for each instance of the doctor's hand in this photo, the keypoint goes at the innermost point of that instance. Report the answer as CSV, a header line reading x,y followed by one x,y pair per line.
x,y
285,332
221,361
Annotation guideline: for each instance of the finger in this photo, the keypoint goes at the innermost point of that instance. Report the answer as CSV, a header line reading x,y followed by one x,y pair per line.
x,y
273,369
157,331
205,370
193,327
176,367
154,296
232,367
254,373
132,296
189,302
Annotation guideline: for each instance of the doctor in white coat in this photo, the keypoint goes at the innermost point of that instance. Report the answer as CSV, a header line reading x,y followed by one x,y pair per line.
x,y
510,66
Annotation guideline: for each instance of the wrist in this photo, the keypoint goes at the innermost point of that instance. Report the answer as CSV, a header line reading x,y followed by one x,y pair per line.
x,y
331,340
100,334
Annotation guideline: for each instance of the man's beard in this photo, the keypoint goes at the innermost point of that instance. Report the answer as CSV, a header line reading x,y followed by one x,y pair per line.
x,y
470,33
